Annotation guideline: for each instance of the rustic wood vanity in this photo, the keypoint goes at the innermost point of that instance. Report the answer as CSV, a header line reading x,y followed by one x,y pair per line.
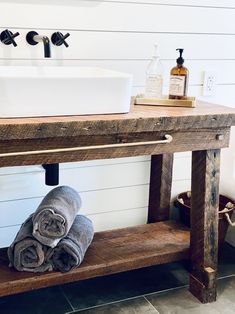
x,y
145,130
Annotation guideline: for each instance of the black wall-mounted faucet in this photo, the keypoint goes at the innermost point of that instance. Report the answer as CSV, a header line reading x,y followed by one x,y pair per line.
x,y
7,37
33,38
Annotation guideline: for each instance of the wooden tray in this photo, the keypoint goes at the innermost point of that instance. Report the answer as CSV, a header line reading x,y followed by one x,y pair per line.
x,y
189,102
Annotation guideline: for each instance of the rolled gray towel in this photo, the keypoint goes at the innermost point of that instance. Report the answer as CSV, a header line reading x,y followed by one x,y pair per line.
x,y
26,253
55,215
70,251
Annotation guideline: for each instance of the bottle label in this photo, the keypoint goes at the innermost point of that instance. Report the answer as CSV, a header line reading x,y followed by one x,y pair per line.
x,y
177,85
153,87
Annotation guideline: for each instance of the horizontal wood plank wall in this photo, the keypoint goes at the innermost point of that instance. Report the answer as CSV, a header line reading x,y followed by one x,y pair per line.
x,y
118,35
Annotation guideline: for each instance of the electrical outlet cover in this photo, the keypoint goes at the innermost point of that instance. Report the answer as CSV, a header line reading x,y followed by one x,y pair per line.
x,y
209,83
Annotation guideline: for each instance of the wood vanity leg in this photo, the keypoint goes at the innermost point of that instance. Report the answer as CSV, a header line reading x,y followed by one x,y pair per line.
x,y
160,187
204,224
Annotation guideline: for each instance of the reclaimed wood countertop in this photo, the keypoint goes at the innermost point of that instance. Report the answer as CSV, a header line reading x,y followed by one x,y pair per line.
x,y
139,119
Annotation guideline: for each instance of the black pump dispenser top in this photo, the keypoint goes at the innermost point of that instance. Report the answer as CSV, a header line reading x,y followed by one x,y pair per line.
x,y
180,60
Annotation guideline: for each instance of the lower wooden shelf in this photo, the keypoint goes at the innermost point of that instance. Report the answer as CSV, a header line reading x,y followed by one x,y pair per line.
x,y
110,252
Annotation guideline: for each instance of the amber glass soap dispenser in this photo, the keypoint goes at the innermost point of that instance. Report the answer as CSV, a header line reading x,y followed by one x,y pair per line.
x,y
179,79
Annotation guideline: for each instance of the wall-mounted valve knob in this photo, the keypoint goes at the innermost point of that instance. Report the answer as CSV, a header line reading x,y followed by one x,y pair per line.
x,y
7,37
58,39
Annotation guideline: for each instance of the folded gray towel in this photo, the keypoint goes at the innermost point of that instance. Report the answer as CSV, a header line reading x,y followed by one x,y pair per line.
x,y
70,251
55,215
26,253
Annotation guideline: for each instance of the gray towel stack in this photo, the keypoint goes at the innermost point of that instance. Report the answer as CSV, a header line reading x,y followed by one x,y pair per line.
x,y
55,215
54,237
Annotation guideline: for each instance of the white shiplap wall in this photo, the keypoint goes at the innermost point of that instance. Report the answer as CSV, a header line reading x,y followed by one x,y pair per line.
x,y
118,35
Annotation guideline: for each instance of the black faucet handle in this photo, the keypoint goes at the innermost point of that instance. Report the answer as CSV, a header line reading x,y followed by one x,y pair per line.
x,y
58,39
7,37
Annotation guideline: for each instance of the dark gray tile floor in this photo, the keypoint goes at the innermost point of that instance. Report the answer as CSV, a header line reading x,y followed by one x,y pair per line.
x,y
43,301
159,289
180,300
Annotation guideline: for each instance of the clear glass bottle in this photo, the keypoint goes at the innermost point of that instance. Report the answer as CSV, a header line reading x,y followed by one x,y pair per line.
x,y
154,76
179,79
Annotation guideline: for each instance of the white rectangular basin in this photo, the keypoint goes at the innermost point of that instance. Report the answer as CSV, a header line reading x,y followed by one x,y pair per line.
x,y
28,91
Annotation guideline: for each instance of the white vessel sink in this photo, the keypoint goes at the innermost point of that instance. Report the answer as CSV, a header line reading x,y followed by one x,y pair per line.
x,y
27,91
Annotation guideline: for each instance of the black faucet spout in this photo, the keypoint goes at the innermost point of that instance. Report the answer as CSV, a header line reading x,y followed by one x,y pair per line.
x,y
33,39
47,47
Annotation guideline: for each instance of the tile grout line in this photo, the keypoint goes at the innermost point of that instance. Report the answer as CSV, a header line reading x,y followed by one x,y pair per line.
x,y
67,299
181,287
165,290
136,297
226,276
152,306
102,305
126,299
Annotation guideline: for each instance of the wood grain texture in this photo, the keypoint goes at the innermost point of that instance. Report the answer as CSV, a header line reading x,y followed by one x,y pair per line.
x,y
160,187
196,139
110,252
203,130
139,119
204,223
